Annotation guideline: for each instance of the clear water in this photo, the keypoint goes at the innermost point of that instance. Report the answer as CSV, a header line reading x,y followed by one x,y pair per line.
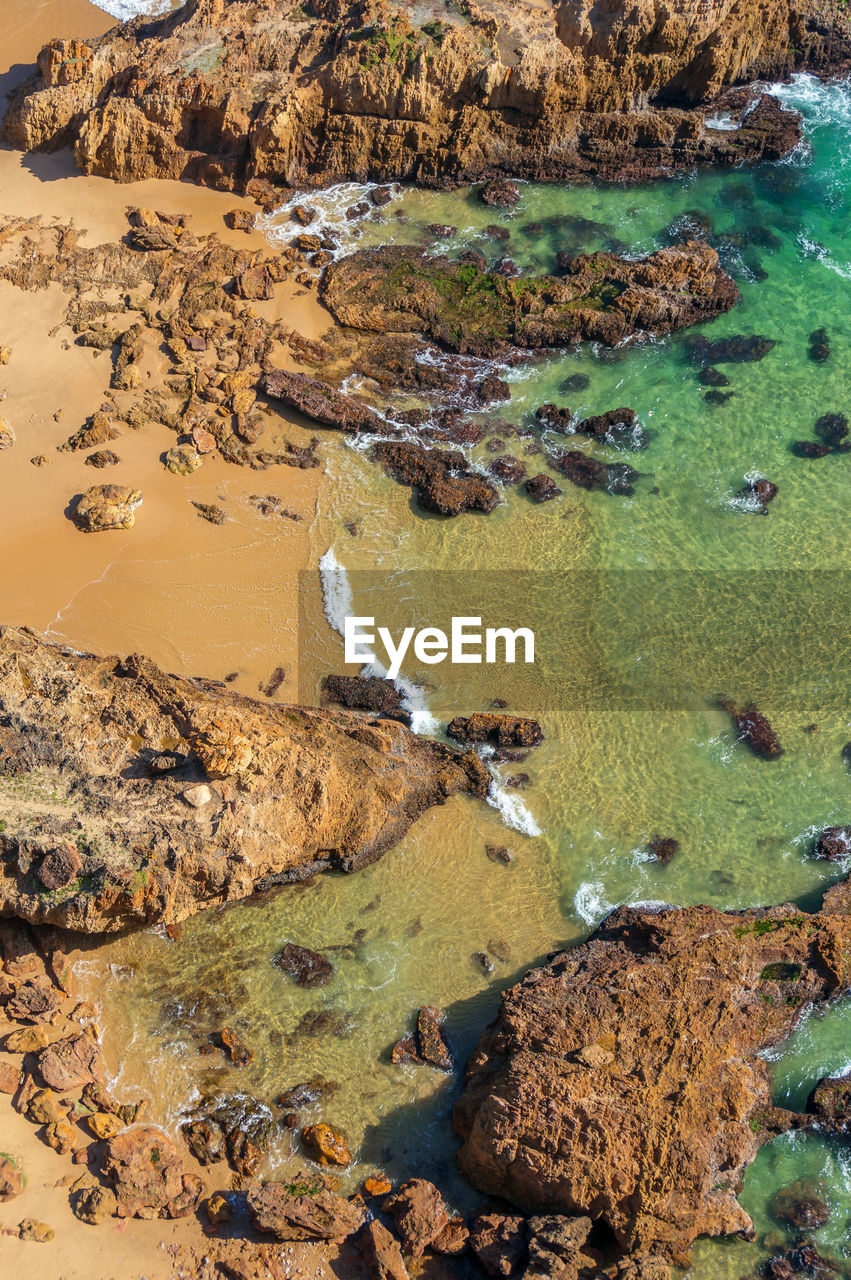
x,y
607,777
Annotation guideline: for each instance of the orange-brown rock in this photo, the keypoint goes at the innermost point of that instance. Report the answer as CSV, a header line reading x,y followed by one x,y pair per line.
x,y
247,96
292,790
147,1175
303,1212
327,1145
651,1131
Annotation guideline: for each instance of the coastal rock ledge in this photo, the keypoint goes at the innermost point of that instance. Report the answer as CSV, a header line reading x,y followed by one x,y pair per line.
x,y
131,797
623,1079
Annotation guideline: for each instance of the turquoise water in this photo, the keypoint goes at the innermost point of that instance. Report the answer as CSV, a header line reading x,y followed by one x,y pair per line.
x,y
610,774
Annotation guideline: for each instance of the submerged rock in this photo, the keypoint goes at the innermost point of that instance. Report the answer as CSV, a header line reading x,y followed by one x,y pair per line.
x,y
542,488
307,968
754,730
427,1043
758,493
832,428
711,377
800,1207
810,449
590,473
663,848
739,349
441,478
830,1103
500,193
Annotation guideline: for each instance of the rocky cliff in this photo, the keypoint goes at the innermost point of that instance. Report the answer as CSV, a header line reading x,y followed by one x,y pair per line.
x,y
129,796
306,94
623,1080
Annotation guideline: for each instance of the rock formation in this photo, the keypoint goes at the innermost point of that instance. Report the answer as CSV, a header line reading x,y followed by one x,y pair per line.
x,y
623,1079
130,796
463,307
275,91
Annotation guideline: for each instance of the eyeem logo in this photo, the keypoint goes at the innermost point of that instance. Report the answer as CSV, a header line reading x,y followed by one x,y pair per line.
x,y
464,644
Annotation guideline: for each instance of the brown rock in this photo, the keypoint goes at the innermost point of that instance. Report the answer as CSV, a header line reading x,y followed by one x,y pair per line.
x,y
32,1229
441,478
44,1107
683,1003
62,1136
319,401
326,1145
94,1204
307,968
60,866
238,1052
107,506
12,1180
308,1212
34,1000
218,1209
240,219
542,488
755,731
381,1253
420,1214
102,458
453,1239
498,1240
834,843
147,1175
377,1184
104,1125
10,1077
71,1062
503,730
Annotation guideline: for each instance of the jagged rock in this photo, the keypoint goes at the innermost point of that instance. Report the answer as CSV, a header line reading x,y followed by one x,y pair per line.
x,y
210,512
12,1180
147,1175
102,458
33,1229
830,1101
420,1215
318,400
205,1140
427,1043
62,1136
381,1253
754,730
441,478
542,488
367,693
739,349
498,1240
453,1239
218,1209
500,193
352,788
240,220
236,1049
507,91
104,1125
800,1207
60,866
307,968
556,1248
98,429
7,434
107,506
326,1145
507,469
617,425
758,493
94,1204
834,843
34,1000
464,308
502,730
303,1212
590,473
45,1108
685,1002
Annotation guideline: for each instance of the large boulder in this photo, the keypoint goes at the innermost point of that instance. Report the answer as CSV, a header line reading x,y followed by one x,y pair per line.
x,y
290,1212
107,506
147,1175
71,1063
625,1079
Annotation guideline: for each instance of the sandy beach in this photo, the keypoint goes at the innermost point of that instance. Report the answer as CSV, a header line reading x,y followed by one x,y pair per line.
x,y
196,597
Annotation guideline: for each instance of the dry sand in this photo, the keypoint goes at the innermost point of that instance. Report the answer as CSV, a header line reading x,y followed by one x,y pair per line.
x,y
196,597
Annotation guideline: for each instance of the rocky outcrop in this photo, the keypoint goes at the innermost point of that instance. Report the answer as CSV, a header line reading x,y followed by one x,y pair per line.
x,y
441,478
175,794
255,92
624,1079
303,1212
147,1175
318,400
463,307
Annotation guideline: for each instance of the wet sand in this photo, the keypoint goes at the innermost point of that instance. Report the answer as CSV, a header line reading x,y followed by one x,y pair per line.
x,y
196,597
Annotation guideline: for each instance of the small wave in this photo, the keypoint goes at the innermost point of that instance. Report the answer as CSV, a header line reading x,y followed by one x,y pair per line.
x,y
512,810
126,9
591,903
414,699
330,204
336,591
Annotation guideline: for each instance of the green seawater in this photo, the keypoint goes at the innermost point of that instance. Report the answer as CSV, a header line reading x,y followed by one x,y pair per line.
x,y
611,773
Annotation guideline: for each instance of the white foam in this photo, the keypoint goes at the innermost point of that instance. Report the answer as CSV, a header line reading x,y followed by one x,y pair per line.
x,y
336,591
591,903
512,809
414,699
125,9
330,204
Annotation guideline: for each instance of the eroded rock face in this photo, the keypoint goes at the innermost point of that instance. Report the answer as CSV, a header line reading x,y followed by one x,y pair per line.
x,y
240,96
652,1132
461,306
352,787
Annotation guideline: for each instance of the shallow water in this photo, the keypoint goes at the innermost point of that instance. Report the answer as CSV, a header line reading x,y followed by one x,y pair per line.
x,y
611,773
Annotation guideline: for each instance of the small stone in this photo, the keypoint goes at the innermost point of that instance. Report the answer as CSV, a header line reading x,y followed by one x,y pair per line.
x,y
32,1229
102,458
209,511
12,1179
595,1057
7,435
203,440
41,460
218,1209
326,1145
663,848
198,796
10,1077
377,1184
238,1052
484,961
5,354
60,866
